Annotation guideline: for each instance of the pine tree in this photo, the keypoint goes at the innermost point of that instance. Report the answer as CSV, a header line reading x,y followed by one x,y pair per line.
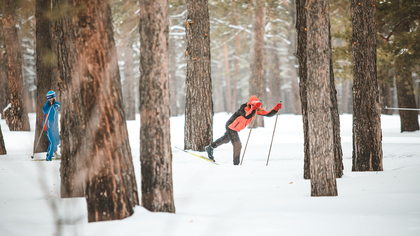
x,y
398,27
45,64
128,86
2,146
3,71
199,103
92,115
320,117
256,82
155,141
302,41
72,165
367,133
16,116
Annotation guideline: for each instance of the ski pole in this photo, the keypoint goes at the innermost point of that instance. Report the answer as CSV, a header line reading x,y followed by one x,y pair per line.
x,y
252,125
403,109
277,116
39,138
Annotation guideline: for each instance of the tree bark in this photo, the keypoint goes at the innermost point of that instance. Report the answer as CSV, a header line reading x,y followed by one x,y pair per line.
x,y
338,152
320,120
73,164
44,69
2,146
256,81
227,79
367,134
219,104
293,70
235,83
93,113
155,139
198,104
16,117
345,101
274,78
173,82
405,92
301,28
129,100
3,72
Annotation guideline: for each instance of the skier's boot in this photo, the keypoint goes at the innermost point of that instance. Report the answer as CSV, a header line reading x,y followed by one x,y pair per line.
x,y
236,161
209,150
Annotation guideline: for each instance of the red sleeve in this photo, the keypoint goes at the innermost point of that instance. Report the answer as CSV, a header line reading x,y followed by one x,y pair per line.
x,y
265,113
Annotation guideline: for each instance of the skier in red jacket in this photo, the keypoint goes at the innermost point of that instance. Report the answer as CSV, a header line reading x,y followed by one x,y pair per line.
x,y
237,122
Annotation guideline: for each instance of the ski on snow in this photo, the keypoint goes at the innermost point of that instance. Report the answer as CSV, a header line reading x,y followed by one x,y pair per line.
x,y
202,157
54,159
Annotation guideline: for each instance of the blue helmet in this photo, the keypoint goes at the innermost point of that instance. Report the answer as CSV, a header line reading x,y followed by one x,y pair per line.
x,y
51,94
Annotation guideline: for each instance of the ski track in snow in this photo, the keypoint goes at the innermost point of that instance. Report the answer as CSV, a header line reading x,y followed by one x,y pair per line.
x,y
252,199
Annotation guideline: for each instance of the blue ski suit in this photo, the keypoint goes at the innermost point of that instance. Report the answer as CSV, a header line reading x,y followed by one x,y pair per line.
x,y
51,127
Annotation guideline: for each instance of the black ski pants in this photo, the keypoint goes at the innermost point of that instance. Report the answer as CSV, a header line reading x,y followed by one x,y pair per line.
x,y
233,137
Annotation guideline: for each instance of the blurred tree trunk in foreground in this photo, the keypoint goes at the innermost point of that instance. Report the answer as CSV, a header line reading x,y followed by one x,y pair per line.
x,y
73,163
16,116
44,68
94,112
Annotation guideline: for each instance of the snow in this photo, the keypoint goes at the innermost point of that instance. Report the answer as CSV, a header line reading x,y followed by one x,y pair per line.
x,y
252,199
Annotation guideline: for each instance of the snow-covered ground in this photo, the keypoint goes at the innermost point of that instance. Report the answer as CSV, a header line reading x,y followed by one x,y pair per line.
x,y
248,200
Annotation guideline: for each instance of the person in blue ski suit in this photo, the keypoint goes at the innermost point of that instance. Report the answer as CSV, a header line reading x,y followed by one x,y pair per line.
x,y
51,109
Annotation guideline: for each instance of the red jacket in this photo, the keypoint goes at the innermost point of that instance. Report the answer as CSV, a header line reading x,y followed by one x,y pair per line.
x,y
241,118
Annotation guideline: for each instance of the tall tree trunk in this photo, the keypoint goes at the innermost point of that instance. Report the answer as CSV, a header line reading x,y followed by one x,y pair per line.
x,y
406,99
173,85
94,111
338,152
227,78
3,72
198,104
235,83
16,117
293,70
301,28
44,68
155,139
73,164
129,99
367,133
274,78
405,91
218,94
2,146
256,81
345,99
321,126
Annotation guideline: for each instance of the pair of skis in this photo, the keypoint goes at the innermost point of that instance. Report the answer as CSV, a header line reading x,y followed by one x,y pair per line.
x,y
197,155
54,159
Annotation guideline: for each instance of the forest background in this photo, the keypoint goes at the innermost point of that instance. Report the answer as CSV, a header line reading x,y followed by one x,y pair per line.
x,y
231,31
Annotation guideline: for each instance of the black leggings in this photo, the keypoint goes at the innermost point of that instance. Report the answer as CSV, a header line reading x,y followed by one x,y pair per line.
x,y
233,137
